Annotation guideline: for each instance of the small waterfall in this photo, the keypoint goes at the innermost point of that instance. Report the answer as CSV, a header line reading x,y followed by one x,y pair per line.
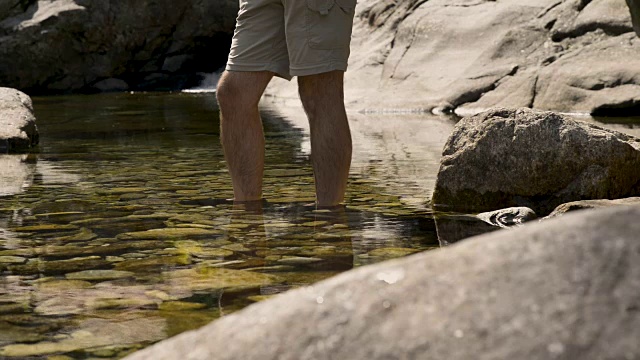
x,y
208,84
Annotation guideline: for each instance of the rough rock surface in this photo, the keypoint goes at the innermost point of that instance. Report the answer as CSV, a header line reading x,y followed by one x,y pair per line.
x,y
18,131
471,55
50,46
520,157
564,289
592,204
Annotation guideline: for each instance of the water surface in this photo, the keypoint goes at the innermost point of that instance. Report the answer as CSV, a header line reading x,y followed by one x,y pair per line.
x,y
117,233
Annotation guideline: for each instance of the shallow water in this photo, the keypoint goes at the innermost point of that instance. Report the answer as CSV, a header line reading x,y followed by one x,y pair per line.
x,y
117,233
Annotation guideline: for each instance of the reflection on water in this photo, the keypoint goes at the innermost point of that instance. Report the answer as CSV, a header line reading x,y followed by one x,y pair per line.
x,y
117,234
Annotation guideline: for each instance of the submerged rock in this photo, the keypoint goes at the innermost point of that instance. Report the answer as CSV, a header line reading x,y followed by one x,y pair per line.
x,y
18,131
92,333
99,275
540,291
170,234
508,157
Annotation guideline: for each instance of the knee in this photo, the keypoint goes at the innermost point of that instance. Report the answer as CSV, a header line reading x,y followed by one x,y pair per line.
x,y
321,90
227,94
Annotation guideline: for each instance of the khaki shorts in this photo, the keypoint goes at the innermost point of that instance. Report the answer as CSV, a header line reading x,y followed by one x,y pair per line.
x,y
292,37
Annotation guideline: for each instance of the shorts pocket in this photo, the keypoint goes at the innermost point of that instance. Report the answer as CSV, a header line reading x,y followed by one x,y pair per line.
x,y
329,23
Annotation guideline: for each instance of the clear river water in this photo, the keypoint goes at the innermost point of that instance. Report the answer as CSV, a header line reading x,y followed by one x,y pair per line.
x,y
117,233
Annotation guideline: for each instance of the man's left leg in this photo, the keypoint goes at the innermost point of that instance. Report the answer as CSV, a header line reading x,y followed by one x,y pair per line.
x,y
322,96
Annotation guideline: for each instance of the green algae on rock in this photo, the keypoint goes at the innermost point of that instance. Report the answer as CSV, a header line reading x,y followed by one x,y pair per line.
x,y
92,333
57,267
392,252
209,279
151,263
180,306
169,234
99,275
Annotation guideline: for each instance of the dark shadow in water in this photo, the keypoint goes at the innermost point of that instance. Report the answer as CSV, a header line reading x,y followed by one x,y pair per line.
x,y
454,228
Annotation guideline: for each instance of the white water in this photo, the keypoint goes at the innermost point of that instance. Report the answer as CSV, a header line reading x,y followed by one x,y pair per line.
x,y
208,84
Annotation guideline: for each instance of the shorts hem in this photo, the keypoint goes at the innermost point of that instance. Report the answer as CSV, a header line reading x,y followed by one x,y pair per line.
x,y
280,71
318,69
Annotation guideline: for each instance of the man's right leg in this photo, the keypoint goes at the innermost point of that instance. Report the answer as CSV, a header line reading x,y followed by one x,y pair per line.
x,y
241,130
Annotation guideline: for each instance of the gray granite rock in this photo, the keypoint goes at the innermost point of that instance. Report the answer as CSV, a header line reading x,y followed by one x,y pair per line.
x,y
471,55
18,131
520,157
592,204
59,46
564,289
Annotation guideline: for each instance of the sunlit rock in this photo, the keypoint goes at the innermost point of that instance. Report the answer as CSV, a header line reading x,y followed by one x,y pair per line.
x,y
592,204
469,56
539,291
519,157
18,131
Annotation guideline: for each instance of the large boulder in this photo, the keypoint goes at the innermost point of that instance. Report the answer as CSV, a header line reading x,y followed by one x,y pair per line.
x,y
565,289
470,55
50,46
521,157
18,131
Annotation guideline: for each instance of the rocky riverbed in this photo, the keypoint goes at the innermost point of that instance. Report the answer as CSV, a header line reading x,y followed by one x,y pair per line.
x,y
565,289
117,234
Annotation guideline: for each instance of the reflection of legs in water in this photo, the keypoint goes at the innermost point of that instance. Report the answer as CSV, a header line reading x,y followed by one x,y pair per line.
x,y
333,239
246,236
299,245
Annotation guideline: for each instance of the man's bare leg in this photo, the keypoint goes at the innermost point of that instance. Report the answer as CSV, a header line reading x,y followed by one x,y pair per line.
x,y
241,130
322,96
